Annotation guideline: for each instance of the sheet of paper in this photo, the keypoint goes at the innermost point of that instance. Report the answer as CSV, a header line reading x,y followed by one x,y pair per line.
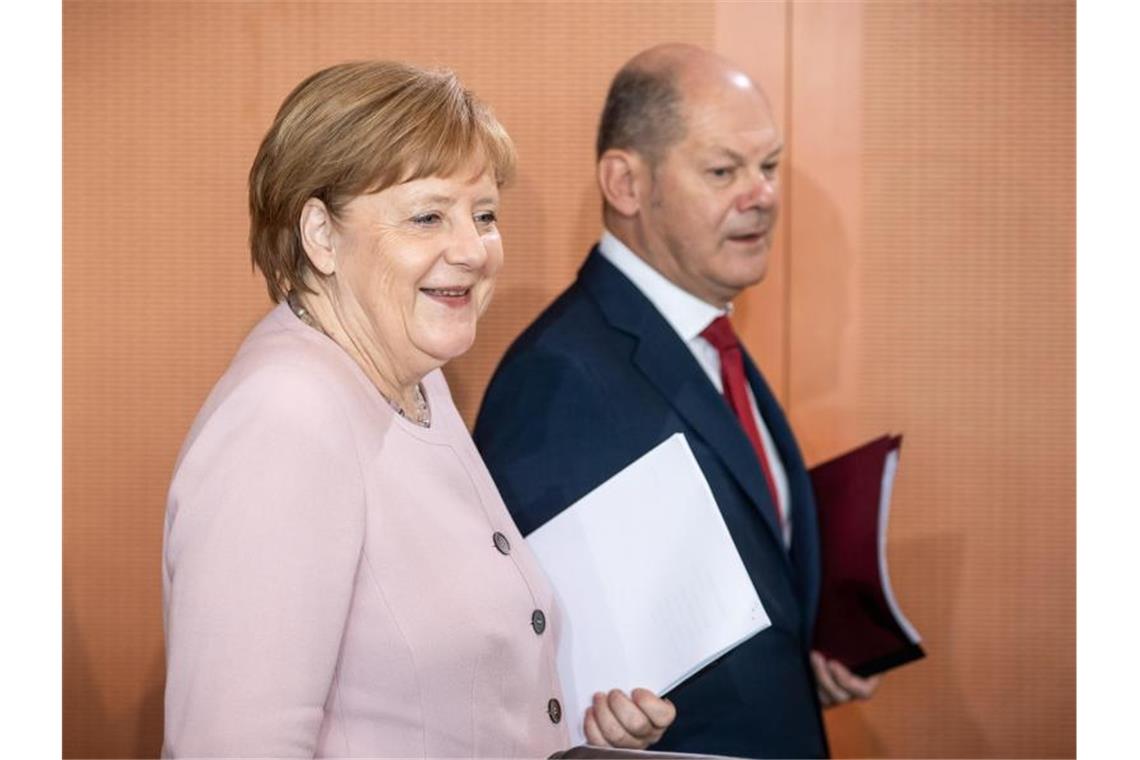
x,y
890,467
650,584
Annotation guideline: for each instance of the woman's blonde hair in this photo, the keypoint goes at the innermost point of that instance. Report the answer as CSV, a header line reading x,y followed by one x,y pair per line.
x,y
353,129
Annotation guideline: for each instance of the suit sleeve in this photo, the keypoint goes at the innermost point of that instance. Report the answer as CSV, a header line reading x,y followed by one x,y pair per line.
x,y
265,531
542,430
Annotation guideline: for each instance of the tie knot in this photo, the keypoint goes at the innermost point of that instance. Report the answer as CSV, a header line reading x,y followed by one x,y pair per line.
x,y
720,334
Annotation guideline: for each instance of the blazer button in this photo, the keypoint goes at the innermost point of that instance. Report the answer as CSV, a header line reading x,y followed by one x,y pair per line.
x,y
554,710
501,543
538,622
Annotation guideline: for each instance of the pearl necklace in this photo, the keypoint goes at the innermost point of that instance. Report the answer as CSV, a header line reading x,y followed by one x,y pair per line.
x,y
422,412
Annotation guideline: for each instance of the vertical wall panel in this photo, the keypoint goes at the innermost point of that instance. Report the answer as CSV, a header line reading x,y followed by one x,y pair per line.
x,y
824,192
932,288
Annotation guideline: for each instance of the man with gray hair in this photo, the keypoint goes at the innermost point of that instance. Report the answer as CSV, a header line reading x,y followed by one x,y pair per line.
x,y
640,348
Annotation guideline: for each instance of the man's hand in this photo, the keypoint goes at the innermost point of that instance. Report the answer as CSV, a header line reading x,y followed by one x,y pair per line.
x,y
837,684
615,720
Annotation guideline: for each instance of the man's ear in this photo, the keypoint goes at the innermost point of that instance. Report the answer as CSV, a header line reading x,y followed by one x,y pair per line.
x,y
619,180
317,236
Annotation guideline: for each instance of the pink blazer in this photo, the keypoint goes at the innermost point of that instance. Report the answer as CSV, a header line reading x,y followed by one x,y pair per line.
x,y
341,582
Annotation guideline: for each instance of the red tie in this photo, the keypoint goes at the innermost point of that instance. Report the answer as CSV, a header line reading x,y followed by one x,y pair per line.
x,y
723,338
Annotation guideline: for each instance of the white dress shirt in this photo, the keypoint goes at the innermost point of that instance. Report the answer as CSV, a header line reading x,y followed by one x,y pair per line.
x,y
689,316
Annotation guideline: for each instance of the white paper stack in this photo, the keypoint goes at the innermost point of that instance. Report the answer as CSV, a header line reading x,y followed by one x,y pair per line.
x,y
650,583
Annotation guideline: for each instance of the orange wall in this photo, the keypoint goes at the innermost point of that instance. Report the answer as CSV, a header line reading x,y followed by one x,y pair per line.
x,y
932,291
923,283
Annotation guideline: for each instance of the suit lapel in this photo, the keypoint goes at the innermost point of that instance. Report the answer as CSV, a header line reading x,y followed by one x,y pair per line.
x,y
669,365
801,501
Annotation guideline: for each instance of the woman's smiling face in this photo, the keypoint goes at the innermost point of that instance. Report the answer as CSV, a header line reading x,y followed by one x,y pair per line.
x,y
419,259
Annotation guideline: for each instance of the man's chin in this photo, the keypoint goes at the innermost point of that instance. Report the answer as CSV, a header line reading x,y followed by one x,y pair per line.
x,y
750,271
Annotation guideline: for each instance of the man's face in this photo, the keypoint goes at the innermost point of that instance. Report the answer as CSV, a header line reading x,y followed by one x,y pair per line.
x,y
714,195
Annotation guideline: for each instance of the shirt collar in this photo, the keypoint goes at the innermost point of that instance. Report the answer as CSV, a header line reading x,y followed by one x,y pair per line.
x,y
685,313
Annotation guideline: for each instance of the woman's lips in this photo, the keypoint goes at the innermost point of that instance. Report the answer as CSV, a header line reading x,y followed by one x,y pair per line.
x,y
454,297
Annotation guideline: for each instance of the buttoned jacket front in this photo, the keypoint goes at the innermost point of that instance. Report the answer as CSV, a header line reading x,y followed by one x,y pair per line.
x,y
339,581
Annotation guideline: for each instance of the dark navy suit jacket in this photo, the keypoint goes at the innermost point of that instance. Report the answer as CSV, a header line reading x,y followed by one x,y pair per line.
x,y
598,380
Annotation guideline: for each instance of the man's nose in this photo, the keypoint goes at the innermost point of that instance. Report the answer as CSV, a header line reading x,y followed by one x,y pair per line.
x,y
762,192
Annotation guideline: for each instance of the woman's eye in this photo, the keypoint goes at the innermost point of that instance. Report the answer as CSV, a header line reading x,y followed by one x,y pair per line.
x,y
486,217
721,172
770,168
428,219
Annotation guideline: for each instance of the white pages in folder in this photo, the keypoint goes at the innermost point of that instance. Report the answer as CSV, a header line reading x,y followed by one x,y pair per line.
x,y
650,583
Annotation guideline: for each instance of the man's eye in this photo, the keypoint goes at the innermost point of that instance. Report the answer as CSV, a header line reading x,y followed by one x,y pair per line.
x,y
486,217
428,219
770,167
721,172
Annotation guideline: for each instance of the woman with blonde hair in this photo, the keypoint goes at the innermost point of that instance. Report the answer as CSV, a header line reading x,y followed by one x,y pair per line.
x,y
341,577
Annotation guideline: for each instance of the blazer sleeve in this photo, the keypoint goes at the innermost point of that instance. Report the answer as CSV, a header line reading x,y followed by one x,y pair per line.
x,y
265,527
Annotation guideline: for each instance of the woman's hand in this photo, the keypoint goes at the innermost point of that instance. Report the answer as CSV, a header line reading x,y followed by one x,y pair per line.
x,y
633,722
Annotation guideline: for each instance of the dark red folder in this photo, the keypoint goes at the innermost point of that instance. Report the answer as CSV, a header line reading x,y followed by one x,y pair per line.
x,y
859,621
